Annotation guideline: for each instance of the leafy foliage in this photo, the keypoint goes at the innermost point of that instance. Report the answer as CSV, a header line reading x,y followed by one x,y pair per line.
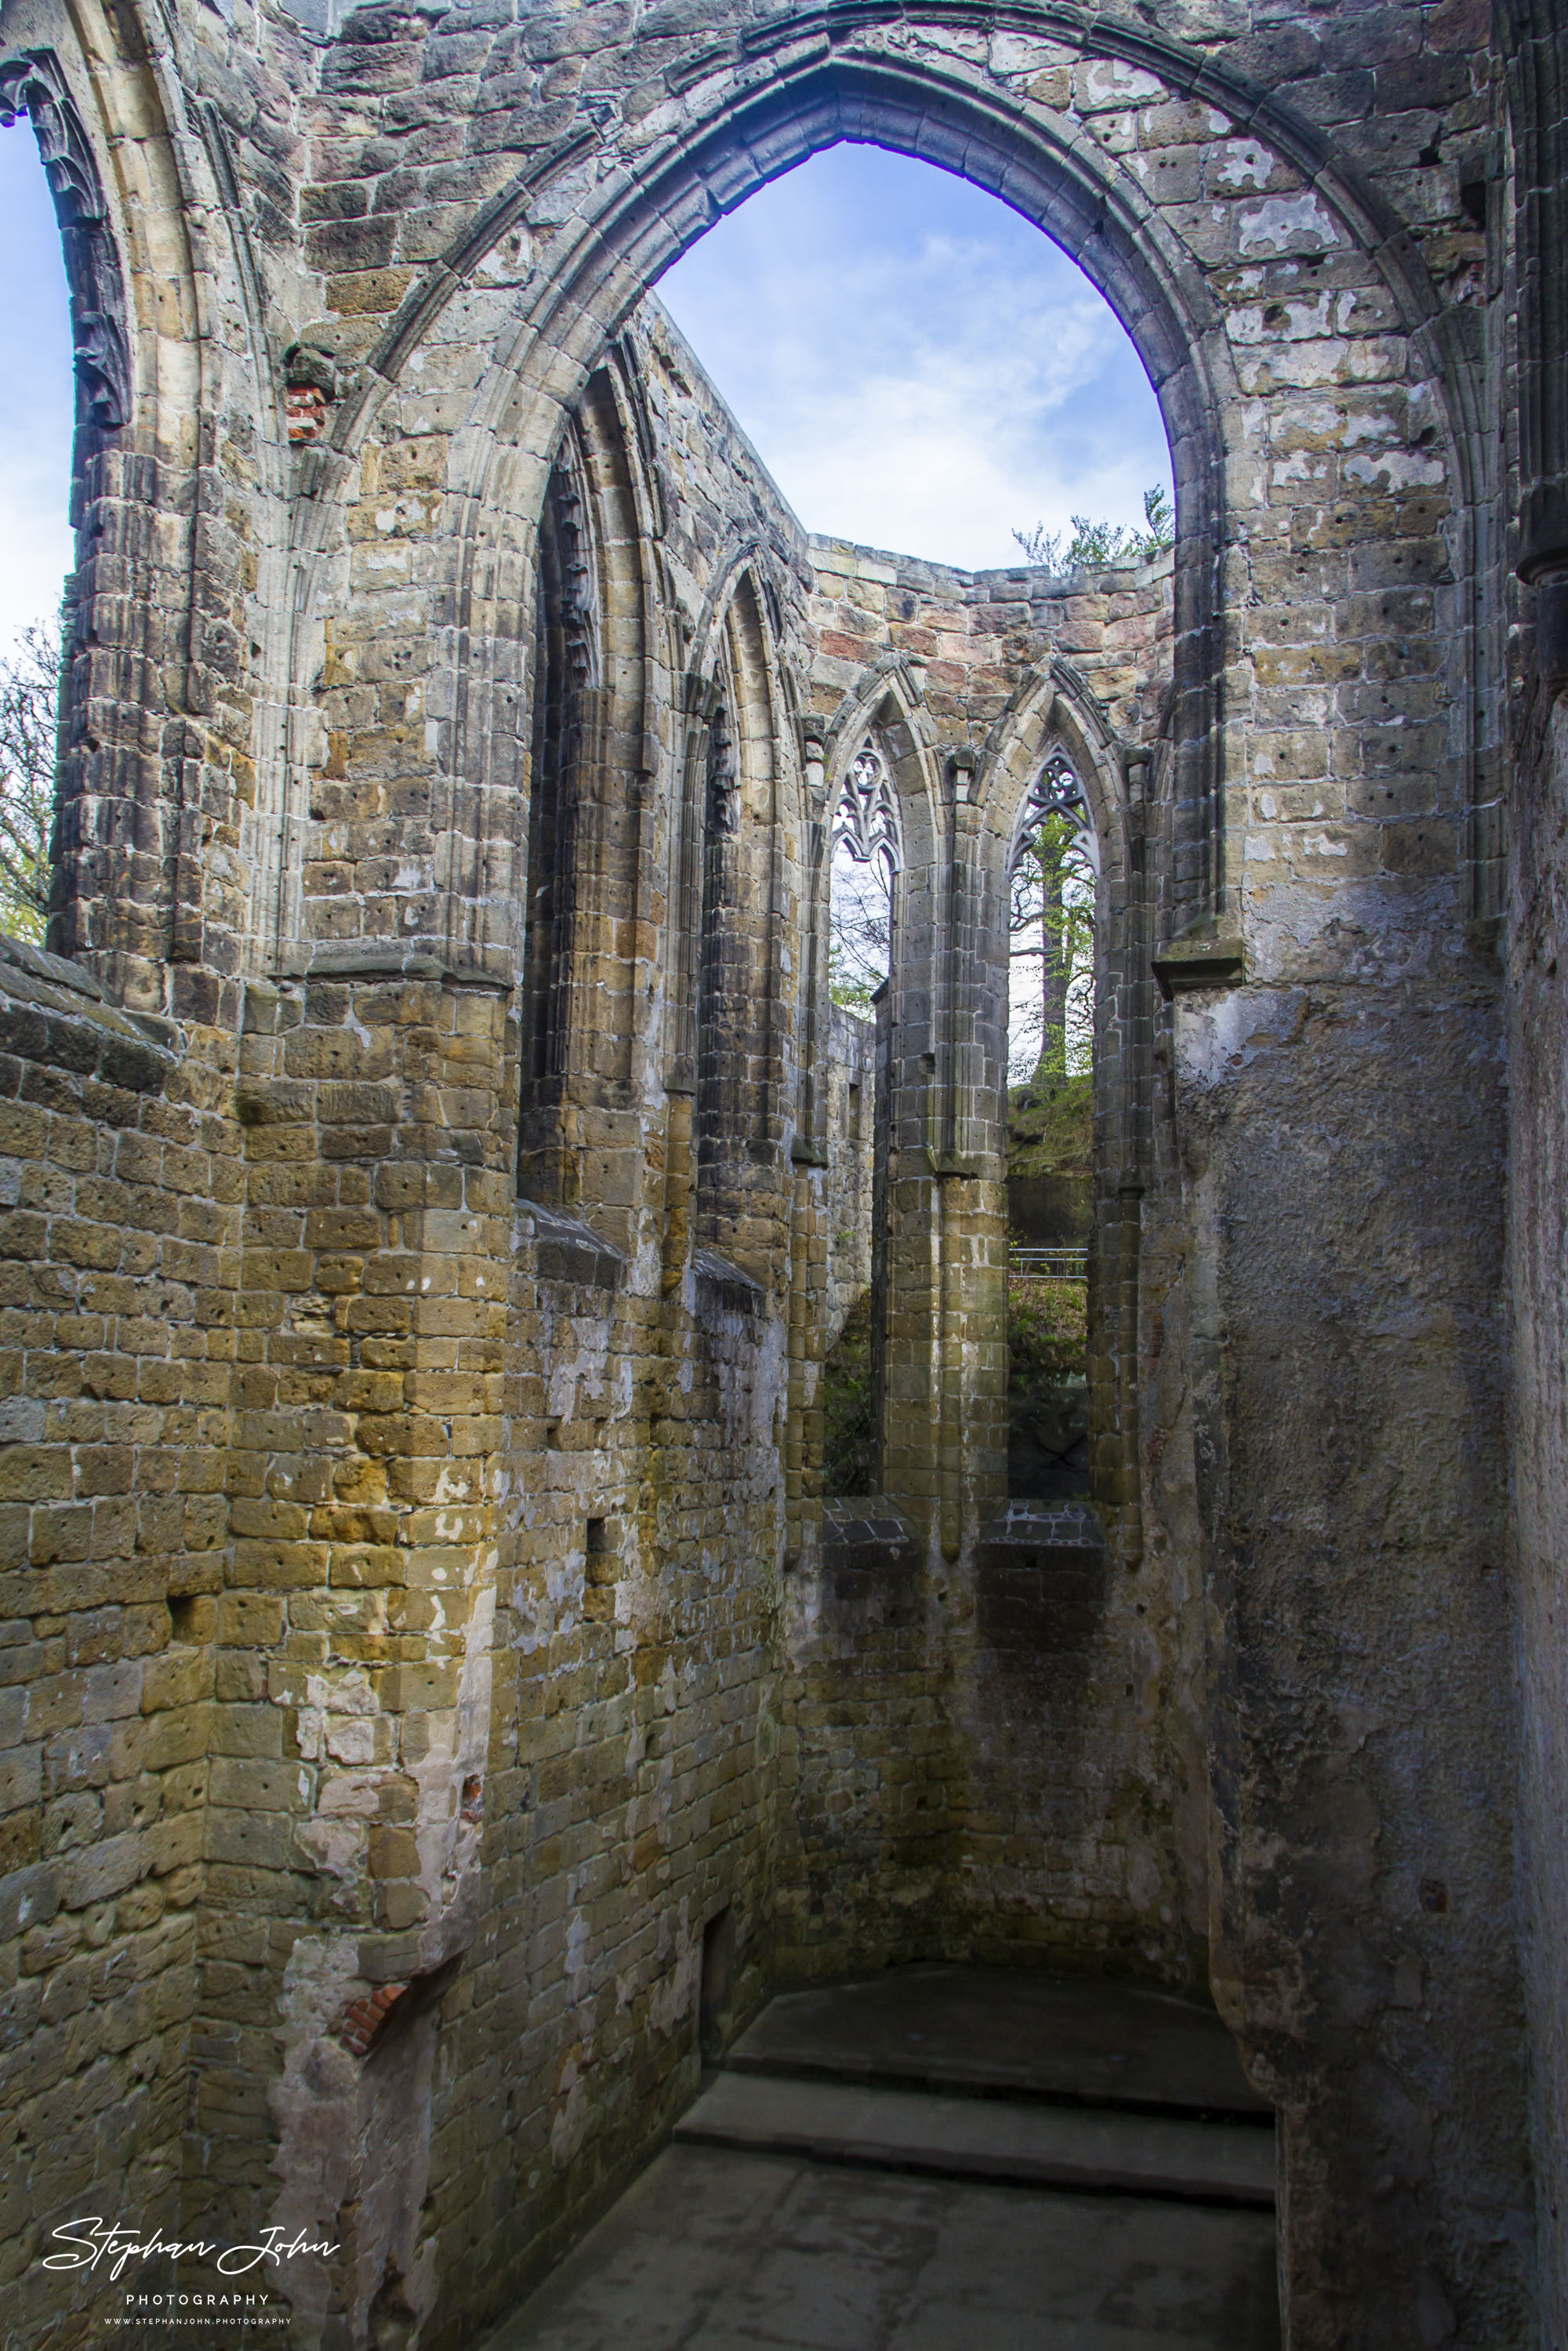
x,y
1047,1390
1051,920
29,701
1047,1328
1050,1126
1094,543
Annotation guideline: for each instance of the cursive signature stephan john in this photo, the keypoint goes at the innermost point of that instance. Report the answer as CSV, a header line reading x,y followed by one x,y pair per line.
x,y
91,2241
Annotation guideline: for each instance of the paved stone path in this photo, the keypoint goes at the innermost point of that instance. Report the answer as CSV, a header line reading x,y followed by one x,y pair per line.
x,y
853,2179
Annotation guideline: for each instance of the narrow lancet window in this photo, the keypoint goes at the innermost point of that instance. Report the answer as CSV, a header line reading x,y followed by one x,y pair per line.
x,y
867,856
564,675
1053,877
867,859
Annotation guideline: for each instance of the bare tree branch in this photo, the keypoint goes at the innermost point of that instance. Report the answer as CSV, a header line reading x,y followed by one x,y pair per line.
x,y
29,704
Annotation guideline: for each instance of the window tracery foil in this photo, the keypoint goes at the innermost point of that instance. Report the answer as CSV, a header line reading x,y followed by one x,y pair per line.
x,y
1056,791
865,822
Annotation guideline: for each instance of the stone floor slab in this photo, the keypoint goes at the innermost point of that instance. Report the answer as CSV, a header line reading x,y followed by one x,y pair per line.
x,y
792,2255
1012,2030
986,2138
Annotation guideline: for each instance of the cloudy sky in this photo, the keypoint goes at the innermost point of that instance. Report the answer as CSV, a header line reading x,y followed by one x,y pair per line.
x,y
920,369
37,395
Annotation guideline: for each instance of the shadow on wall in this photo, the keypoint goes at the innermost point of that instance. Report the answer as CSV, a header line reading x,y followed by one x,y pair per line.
x,y
1050,1204
849,1430
1047,1390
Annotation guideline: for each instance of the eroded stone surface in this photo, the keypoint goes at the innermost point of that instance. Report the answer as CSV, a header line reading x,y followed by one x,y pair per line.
x,y
393,1600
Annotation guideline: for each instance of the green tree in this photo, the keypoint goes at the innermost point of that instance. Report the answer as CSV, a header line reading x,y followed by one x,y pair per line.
x,y
1051,918
1094,543
29,707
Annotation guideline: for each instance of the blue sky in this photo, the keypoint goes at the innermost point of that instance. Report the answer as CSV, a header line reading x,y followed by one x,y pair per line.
x,y
38,398
919,367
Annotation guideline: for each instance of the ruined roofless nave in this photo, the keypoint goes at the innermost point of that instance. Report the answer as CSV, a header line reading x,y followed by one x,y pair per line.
x,y
433,1170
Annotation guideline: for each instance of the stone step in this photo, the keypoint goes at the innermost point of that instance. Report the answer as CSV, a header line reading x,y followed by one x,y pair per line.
x,y
1013,2033
997,2139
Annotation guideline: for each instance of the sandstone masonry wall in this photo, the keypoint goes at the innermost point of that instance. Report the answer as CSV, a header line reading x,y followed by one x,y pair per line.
x,y
120,1238
426,1587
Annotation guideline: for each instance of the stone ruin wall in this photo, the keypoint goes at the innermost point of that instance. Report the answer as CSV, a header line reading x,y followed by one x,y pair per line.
x,y
123,1184
1537,1270
472,1539
1014,1790
473,1457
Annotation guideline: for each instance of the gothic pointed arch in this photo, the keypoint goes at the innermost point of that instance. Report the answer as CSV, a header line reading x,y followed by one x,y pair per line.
x,y
742,1044
35,84
585,798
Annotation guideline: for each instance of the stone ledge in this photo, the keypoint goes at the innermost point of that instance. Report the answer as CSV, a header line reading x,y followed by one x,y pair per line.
x,y
566,1249
724,1286
871,1582
23,955
369,961
1042,1576
867,1530
1203,957
53,1014
1024,1525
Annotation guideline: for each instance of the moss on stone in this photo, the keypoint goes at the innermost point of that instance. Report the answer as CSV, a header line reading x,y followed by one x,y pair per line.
x,y
1051,1128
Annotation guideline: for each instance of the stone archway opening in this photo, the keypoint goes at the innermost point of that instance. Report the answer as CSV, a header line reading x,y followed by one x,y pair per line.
x,y
953,712
671,980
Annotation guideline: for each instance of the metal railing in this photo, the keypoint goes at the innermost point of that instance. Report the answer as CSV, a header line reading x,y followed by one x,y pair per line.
x,y
1048,1264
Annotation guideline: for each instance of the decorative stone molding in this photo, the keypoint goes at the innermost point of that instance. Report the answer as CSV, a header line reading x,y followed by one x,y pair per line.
x,y
1203,957
35,85
866,820
723,783
310,386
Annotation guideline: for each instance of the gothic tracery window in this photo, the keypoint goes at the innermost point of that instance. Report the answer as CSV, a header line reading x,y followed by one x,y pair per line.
x,y
1052,875
1057,792
866,819
867,857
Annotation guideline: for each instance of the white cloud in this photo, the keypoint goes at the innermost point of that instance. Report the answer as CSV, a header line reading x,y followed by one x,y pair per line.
x,y
38,394
919,367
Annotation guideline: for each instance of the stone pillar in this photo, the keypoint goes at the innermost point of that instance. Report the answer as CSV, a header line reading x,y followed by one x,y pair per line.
x,y
944,1385
1341,1151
